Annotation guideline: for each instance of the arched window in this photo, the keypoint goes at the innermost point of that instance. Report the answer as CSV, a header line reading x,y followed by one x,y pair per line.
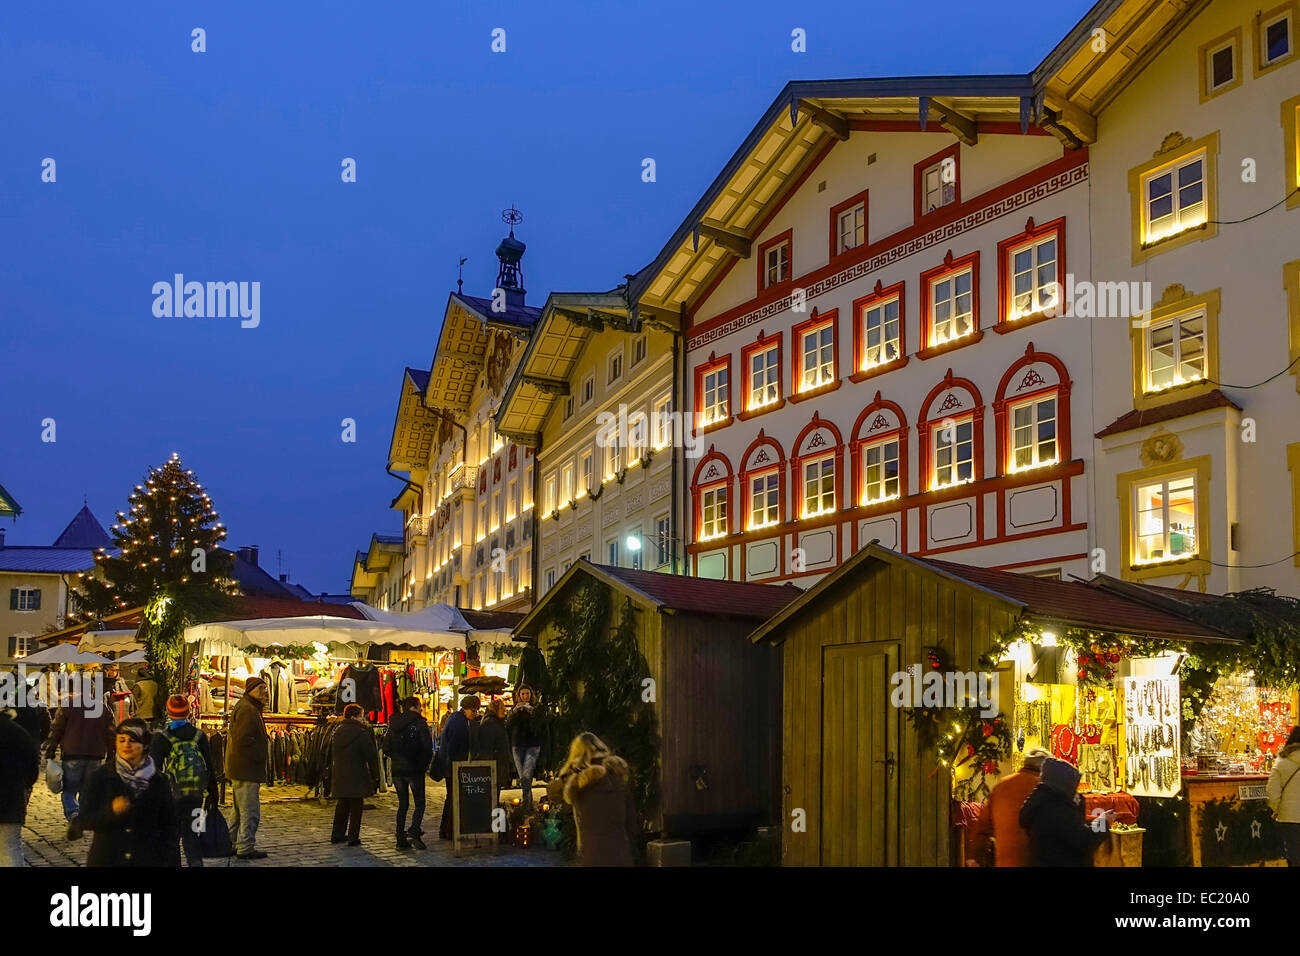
x,y
951,432
818,485
1032,413
711,494
762,482
879,454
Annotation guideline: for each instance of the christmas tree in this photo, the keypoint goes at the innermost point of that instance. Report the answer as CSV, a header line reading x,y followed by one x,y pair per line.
x,y
167,543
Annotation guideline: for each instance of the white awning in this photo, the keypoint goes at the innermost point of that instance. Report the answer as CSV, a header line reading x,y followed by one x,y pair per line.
x,y
324,629
103,641
62,654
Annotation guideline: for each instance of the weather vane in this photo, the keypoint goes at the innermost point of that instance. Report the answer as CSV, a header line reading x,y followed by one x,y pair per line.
x,y
512,217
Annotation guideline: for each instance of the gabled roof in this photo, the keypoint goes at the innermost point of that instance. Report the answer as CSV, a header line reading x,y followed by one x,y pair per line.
x,y
1163,413
671,594
415,427
83,531
1067,603
8,505
520,315
47,560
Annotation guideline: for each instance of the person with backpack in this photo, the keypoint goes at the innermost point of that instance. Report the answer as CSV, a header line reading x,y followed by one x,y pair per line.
x,y
183,753
409,745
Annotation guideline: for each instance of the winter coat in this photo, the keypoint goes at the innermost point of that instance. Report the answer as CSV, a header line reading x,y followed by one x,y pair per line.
x,y
1000,820
522,724
147,834
409,744
20,765
494,744
77,734
1058,832
161,745
120,701
604,810
354,766
146,699
246,749
34,720
1283,793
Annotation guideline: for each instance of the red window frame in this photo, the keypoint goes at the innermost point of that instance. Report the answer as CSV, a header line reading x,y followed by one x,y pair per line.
x,y
797,461
925,425
762,344
879,294
712,363
816,321
786,237
1006,247
855,199
950,266
860,441
918,182
1003,402
747,474
698,490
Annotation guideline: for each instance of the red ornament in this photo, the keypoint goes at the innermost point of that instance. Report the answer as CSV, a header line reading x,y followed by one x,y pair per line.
x,y
970,750
1082,673
990,767
1085,660
1113,657
988,730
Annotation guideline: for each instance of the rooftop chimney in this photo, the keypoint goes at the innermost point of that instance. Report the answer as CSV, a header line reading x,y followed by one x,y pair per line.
x,y
249,554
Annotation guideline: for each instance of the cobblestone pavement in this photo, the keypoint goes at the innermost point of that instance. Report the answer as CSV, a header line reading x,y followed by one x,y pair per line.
x,y
295,832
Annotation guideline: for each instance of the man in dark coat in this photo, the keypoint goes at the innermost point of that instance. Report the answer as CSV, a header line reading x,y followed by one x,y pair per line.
x,y
455,747
493,743
83,735
128,805
409,746
354,773
246,754
20,765
1054,816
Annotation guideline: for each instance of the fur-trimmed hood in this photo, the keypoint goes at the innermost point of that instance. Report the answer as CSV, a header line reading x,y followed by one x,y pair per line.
x,y
610,766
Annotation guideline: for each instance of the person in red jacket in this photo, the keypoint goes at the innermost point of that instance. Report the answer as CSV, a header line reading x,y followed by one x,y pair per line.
x,y
998,826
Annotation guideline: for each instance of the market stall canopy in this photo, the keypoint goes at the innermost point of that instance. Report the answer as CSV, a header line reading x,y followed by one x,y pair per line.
x,y
435,617
63,654
135,657
230,637
104,641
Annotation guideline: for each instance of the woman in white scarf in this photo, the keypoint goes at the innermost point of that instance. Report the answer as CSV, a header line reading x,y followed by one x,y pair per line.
x,y
128,804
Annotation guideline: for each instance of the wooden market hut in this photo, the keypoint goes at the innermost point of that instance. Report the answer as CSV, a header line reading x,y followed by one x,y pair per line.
x,y
718,695
871,795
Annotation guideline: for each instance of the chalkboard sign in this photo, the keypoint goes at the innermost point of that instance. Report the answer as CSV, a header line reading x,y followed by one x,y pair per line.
x,y
473,790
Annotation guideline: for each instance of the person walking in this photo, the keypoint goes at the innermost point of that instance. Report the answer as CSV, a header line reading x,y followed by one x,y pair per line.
x,y
523,728
183,753
598,785
246,753
128,806
354,773
1053,813
147,693
494,744
1283,792
82,735
20,765
30,712
997,834
455,747
409,745
119,694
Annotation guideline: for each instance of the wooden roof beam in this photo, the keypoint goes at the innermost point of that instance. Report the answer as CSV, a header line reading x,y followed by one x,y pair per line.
x,y
732,240
613,320
552,386
1051,121
1078,121
654,316
586,319
833,123
959,124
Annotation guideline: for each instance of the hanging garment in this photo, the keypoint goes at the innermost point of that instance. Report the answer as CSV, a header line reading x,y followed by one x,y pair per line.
x,y
365,683
282,696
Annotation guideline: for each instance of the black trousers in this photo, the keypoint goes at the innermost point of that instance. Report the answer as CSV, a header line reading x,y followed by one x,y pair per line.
x,y
185,808
1291,840
447,828
347,813
409,790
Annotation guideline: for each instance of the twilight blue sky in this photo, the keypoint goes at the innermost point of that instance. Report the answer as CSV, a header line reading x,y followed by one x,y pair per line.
x,y
225,166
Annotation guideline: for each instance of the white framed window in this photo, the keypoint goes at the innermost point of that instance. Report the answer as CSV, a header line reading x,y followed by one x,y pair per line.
x,y
880,481
817,347
613,453
954,453
851,228
527,489
512,500
952,307
640,346
638,435
715,388
613,553
1033,276
1276,41
764,499
1221,66
566,483
586,480
1174,198
496,510
636,555
22,646
551,498
482,520
550,578
881,337
819,486
937,192
1165,519
662,421
764,376
26,599
1175,351
588,388
615,366
663,539
713,512
776,264
1033,434
568,407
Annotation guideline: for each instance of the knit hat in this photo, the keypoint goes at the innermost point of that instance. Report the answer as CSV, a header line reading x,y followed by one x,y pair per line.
x,y
178,706
252,684
1034,759
1060,776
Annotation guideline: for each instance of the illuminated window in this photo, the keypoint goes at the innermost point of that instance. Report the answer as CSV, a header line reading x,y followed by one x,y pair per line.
x,y
662,421
1164,525
776,264
663,539
881,341
1033,276
713,512
613,453
1174,198
1033,434
496,510
551,497
585,482
764,500
817,348
528,488
954,453
952,310
880,471
851,228
938,184
512,500
764,376
819,487
714,393
1175,351
566,483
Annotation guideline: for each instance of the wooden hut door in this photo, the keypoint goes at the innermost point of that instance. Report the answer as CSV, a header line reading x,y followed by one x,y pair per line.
x,y
859,813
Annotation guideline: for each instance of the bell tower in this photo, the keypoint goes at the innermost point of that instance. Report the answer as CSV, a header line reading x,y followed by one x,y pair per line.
x,y
510,277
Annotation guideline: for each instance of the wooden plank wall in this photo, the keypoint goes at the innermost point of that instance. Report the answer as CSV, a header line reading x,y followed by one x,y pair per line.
x,y
889,604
